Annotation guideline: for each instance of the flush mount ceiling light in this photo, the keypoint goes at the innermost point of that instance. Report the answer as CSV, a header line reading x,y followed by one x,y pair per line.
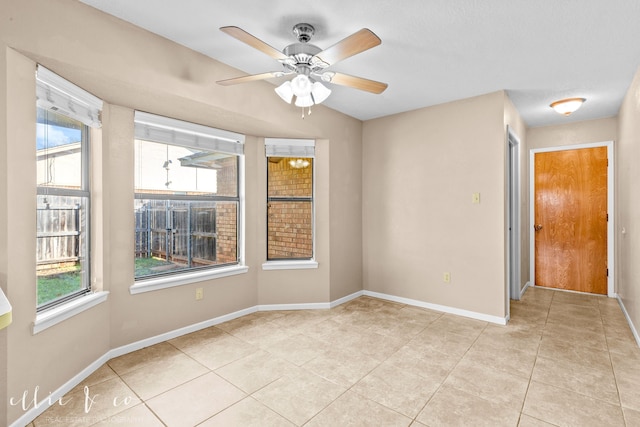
x,y
308,63
567,106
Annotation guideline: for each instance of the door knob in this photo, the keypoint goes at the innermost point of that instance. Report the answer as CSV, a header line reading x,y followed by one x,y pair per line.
x,y
537,227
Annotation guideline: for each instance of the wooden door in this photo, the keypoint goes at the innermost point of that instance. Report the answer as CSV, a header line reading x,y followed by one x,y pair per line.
x,y
571,219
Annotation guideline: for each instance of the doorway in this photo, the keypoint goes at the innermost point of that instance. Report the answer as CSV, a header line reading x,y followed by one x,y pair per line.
x,y
571,218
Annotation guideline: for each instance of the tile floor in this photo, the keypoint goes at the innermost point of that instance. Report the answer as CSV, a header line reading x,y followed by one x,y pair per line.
x,y
564,360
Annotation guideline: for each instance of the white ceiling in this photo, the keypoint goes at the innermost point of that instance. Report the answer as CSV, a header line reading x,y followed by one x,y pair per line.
x,y
432,51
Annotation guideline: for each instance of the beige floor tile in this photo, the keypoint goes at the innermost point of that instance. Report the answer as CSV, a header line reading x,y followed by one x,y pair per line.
x,y
453,407
495,386
146,356
402,325
247,413
103,373
576,336
631,417
353,410
87,406
262,335
443,341
527,421
503,337
512,361
195,401
555,349
624,346
575,312
299,397
341,366
153,379
138,416
298,349
195,340
241,323
255,371
375,345
574,298
397,389
591,380
629,389
223,351
459,325
566,408
430,364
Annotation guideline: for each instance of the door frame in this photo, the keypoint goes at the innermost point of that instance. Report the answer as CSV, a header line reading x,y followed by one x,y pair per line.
x,y
610,208
514,230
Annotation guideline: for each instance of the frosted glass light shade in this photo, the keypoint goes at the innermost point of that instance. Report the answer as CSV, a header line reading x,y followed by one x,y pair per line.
x,y
304,101
320,92
285,92
301,85
567,106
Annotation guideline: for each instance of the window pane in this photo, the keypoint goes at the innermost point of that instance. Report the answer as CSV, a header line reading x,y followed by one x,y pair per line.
x,y
290,177
62,247
290,230
290,208
180,235
171,169
59,150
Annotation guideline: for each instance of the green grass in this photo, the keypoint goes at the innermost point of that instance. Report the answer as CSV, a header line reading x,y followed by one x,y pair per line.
x,y
54,286
145,266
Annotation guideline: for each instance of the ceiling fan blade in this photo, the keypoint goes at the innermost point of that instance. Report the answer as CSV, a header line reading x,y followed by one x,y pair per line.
x,y
250,78
357,42
243,36
355,82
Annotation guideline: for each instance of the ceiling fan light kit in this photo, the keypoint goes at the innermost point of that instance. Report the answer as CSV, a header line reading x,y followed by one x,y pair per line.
x,y
308,63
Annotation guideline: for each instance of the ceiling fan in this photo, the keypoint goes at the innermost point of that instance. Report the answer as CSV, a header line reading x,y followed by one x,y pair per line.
x,y
309,63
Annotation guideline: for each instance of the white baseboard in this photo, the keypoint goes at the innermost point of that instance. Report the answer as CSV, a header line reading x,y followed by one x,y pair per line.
x,y
526,286
634,331
442,308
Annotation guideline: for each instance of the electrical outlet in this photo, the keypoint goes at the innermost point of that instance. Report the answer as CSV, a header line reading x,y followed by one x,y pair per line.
x,y
446,277
199,293
475,198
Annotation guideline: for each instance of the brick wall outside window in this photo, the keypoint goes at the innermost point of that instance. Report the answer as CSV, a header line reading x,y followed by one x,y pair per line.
x,y
289,223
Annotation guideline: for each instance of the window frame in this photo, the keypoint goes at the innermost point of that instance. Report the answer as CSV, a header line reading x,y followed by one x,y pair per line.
x,y
291,148
164,130
54,94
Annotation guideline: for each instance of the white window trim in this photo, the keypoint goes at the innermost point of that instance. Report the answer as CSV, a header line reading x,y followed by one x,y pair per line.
x,y
282,147
290,265
178,132
62,312
164,282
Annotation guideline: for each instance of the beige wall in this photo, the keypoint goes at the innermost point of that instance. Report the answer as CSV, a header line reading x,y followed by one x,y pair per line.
x,y
133,69
588,131
628,203
420,171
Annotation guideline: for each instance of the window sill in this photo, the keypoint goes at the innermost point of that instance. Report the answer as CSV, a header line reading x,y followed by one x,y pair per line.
x,y
65,311
290,265
149,285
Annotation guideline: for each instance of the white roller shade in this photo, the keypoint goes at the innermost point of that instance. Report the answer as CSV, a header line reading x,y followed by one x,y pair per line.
x,y
55,93
150,127
276,147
